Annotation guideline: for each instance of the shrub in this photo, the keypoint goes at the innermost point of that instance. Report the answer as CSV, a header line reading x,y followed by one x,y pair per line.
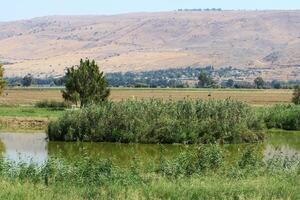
x,y
55,105
251,157
283,116
157,121
296,95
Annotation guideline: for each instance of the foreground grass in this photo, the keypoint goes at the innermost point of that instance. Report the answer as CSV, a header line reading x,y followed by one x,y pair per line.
x,y
84,178
12,189
264,187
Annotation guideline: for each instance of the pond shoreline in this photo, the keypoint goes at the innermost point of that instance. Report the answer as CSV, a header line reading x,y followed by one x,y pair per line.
x,y
23,124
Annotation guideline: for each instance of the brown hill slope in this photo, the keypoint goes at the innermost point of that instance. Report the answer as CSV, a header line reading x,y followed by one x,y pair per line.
x,y
147,41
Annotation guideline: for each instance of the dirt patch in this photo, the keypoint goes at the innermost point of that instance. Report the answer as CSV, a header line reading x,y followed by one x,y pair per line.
x,y
19,123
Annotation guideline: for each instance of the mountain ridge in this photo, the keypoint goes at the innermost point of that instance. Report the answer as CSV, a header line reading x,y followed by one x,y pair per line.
x,y
45,46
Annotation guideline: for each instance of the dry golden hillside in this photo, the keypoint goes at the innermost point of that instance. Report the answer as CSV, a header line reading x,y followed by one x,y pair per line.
x,y
145,41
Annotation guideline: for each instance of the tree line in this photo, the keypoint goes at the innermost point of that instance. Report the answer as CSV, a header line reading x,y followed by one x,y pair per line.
x,y
202,77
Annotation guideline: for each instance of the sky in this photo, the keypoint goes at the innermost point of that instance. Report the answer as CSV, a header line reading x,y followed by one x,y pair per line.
x,y
26,9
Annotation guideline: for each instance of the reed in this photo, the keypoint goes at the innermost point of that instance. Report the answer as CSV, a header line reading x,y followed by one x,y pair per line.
x,y
158,121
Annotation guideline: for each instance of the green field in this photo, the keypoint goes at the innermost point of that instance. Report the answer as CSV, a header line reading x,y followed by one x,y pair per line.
x,y
28,111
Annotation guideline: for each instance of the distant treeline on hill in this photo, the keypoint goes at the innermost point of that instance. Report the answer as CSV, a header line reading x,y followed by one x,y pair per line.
x,y
199,9
227,77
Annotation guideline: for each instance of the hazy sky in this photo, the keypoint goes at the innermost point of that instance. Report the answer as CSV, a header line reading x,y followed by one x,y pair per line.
x,y
24,9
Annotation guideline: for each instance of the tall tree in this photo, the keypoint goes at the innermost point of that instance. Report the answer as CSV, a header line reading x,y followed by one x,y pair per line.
x,y
230,83
27,80
205,80
276,84
296,95
85,84
2,81
259,83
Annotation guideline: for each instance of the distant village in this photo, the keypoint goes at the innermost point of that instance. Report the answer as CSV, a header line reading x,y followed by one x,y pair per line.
x,y
225,77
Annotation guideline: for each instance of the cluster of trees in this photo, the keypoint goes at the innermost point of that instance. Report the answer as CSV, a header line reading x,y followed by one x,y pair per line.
x,y
159,78
2,81
171,78
206,81
29,80
199,9
259,83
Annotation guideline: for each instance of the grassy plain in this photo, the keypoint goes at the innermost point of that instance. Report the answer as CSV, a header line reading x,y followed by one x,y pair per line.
x,y
28,111
254,97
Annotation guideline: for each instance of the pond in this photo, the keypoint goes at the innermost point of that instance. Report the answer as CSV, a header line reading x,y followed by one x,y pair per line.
x,y
33,147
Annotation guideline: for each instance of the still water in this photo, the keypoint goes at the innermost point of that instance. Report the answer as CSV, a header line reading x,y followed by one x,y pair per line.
x,y
33,147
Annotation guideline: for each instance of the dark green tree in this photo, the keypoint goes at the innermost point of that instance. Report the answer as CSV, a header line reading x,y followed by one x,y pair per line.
x,y
27,80
230,83
259,83
205,80
2,81
276,84
85,84
296,95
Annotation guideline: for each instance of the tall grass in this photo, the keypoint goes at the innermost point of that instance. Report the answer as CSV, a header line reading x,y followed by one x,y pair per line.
x,y
285,117
157,121
201,173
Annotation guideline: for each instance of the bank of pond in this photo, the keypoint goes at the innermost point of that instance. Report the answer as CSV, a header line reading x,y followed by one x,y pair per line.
x,y
167,122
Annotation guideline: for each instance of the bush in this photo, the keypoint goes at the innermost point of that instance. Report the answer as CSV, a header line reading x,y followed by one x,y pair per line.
x,y
157,121
55,105
296,95
285,117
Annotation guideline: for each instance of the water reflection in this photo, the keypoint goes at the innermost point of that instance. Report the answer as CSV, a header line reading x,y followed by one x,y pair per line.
x,y
286,151
119,153
27,147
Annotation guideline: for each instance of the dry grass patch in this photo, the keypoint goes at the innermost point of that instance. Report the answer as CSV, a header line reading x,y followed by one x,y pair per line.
x,y
254,97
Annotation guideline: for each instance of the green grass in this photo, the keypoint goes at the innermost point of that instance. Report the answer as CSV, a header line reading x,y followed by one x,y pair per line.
x,y
264,187
29,111
86,178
